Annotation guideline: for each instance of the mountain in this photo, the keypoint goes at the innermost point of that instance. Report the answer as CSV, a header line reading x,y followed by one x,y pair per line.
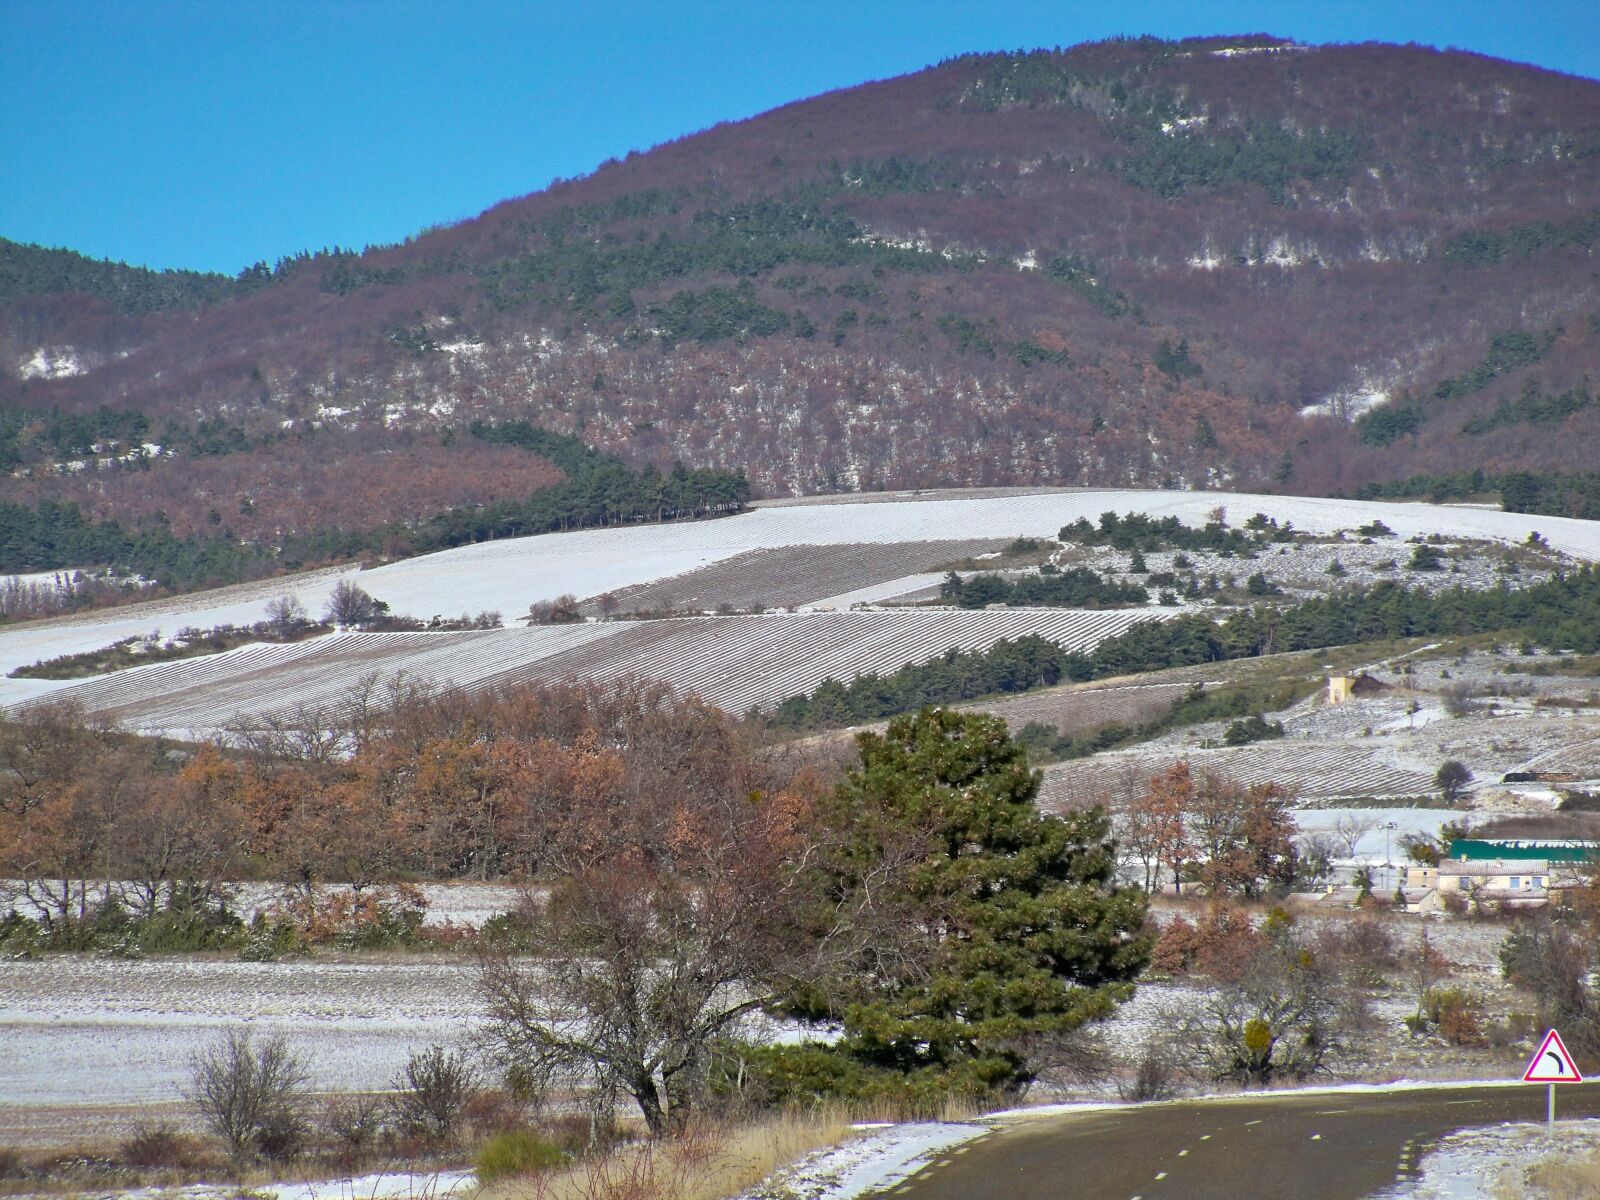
x,y
1225,261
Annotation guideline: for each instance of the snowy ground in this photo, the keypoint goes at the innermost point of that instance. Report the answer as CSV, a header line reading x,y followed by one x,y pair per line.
x,y
439,1185
1488,1163
877,1159
448,903
93,1020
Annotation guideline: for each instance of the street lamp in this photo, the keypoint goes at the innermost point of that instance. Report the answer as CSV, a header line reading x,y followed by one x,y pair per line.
x,y
1388,862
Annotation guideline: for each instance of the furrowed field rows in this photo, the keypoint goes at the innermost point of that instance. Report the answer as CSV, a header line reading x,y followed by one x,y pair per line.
x,y
1312,773
760,660
506,576
204,694
778,577
1079,710
733,661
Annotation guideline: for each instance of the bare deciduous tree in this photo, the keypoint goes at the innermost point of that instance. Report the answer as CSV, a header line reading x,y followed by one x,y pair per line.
x,y
1350,828
286,616
1276,1020
349,605
675,909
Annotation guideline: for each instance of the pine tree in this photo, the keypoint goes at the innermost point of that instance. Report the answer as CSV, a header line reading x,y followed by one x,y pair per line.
x,y
1020,932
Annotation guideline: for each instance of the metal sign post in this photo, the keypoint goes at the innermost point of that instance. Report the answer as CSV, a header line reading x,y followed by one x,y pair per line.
x,y
1551,1064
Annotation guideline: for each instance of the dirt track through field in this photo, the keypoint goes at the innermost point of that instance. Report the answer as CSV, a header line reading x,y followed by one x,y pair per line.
x,y
1327,1146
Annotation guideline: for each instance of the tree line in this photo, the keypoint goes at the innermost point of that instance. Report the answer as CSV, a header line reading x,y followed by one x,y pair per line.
x,y
688,875
597,490
1551,493
1562,613
1076,587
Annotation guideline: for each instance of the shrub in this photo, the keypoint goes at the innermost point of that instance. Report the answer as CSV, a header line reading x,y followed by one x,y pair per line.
x,y
1175,949
161,1144
515,1152
1224,942
1154,1077
432,1092
251,1098
12,1164
1456,1013
1364,943
349,605
563,610
352,1124
1426,558
808,1074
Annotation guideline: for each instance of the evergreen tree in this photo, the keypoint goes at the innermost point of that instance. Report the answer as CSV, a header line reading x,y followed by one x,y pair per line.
x,y
1009,926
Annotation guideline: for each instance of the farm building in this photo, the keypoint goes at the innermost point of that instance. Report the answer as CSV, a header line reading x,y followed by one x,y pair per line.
x,y
1345,687
1521,874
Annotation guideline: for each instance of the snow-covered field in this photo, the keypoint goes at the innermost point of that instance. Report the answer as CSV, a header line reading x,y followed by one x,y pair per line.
x,y
448,903
736,661
70,1025
509,575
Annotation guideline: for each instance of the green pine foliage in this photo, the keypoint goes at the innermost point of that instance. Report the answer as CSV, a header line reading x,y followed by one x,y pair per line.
x,y
28,270
1174,362
1508,351
1552,492
1167,149
1084,277
1482,248
1136,531
1076,587
1390,422
1015,928
1008,666
1532,407
584,277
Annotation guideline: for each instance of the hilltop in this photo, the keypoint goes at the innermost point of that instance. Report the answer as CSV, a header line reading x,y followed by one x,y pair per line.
x,y
1231,262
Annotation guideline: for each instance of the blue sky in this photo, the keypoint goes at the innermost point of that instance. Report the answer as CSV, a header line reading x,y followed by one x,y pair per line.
x,y
212,134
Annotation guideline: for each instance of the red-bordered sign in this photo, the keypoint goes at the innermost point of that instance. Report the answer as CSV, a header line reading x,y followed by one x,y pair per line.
x,y
1552,1064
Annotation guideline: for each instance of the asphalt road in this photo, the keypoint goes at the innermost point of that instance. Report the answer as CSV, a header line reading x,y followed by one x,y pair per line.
x,y
1332,1146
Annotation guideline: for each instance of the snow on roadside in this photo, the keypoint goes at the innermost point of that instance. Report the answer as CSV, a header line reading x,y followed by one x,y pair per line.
x,y
885,1155
878,1159
1485,1163
435,1185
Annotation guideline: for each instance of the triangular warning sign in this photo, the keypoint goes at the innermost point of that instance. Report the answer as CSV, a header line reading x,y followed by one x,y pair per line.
x,y
1552,1064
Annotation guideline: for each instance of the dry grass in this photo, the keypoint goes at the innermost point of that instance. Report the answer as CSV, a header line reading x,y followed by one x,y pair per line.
x,y
708,1163
1558,1178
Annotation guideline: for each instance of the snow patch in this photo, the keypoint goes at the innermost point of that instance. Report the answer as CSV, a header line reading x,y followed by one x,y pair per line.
x,y
1242,51
389,1186
52,362
1483,1164
1347,405
879,1159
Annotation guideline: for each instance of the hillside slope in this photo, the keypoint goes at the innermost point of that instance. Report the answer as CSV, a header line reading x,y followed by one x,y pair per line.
x,y
1231,261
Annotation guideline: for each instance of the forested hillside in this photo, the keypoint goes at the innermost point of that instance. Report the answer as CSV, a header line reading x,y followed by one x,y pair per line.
x,y
1229,260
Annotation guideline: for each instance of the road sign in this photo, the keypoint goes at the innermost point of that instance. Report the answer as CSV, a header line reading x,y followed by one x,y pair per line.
x,y
1552,1064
